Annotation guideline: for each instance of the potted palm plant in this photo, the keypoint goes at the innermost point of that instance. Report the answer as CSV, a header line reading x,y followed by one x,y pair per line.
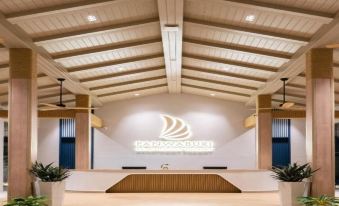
x,y
29,201
50,182
318,201
293,182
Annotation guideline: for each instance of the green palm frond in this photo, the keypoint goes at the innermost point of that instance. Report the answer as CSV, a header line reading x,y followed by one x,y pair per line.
x,y
317,201
29,201
293,172
49,173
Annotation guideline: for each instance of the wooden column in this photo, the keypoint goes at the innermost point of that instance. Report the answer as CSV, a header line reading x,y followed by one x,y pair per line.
x,y
22,120
264,132
83,133
320,119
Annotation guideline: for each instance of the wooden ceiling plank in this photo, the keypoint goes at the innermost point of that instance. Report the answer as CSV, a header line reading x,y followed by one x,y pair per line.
x,y
113,63
88,31
296,65
132,90
315,15
123,73
240,48
232,62
252,31
171,13
224,74
104,48
221,83
162,77
16,38
215,90
57,9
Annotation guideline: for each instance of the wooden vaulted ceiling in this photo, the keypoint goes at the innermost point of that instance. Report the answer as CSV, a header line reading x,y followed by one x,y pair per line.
x,y
148,47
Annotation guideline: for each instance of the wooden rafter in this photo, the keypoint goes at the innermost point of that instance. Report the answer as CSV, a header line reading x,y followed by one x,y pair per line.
x,y
84,32
297,64
247,49
245,65
105,48
276,8
215,90
15,38
252,31
132,90
143,80
225,74
114,63
66,7
217,82
123,73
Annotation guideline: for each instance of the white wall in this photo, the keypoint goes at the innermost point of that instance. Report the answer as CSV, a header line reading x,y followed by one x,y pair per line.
x,y
210,119
48,141
139,119
298,141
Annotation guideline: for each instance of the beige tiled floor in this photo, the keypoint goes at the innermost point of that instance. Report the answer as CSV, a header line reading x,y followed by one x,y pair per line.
x,y
171,199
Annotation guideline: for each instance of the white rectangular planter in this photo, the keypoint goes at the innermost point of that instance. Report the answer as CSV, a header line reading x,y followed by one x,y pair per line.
x,y
53,191
290,191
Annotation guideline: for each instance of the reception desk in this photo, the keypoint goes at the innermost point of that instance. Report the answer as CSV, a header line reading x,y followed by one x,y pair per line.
x,y
164,180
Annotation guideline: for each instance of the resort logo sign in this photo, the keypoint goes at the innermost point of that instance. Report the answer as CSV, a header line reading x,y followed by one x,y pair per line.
x,y
175,137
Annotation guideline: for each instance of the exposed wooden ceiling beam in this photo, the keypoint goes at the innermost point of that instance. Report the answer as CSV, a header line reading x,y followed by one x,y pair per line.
x,y
224,74
328,33
53,95
4,66
252,31
96,121
171,13
124,73
16,38
105,48
84,32
221,83
295,86
49,86
40,75
65,7
132,90
143,80
247,49
232,63
215,90
113,63
276,8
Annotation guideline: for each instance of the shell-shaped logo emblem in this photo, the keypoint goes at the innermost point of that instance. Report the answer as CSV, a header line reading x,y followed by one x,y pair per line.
x,y
174,129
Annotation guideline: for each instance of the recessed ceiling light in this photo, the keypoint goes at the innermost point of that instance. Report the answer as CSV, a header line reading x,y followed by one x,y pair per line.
x,y
91,18
250,18
136,94
212,94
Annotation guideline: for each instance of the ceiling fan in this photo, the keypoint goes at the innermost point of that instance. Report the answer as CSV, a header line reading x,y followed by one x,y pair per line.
x,y
285,105
60,105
